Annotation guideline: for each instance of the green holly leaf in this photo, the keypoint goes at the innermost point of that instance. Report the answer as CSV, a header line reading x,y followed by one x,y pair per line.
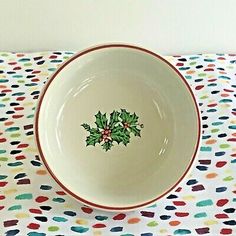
x,y
120,135
101,120
135,130
124,115
132,119
107,145
94,137
126,137
117,134
86,127
114,118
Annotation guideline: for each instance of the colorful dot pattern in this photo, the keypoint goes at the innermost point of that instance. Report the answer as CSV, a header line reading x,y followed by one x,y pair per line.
x,y
32,204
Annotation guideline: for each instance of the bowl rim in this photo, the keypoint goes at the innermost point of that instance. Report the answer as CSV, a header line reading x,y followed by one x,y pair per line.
x,y
40,149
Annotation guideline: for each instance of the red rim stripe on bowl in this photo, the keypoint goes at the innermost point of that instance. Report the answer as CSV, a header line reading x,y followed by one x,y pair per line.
x,y
40,148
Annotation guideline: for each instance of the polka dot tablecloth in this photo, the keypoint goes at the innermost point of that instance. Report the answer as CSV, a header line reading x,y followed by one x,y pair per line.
x,y
32,204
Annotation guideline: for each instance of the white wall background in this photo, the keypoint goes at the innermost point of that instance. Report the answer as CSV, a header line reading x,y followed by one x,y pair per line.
x,y
165,26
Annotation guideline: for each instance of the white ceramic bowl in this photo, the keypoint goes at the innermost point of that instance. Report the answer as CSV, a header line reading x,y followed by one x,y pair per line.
x,y
146,133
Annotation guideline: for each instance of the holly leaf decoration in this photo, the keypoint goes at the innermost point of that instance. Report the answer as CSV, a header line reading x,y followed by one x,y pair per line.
x,y
135,130
114,118
107,145
101,120
94,137
119,134
118,128
86,126
124,115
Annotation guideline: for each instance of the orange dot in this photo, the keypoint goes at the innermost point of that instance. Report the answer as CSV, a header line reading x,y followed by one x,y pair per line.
x,y
210,141
41,172
234,134
174,223
3,86
8,123
133,220
224,95
222,72
211,175
211,65
190,72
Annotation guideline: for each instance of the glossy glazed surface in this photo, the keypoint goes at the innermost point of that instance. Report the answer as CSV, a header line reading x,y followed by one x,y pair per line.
x,y
108,79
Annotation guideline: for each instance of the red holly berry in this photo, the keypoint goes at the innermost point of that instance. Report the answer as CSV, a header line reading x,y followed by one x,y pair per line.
x,y
126,125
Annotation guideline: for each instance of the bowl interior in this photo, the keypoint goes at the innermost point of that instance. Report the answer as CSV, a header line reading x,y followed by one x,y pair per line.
x,y
126,80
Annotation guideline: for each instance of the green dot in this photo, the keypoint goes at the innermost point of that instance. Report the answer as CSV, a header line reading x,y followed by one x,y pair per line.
x,y
12,129
28,64
204,97
20,81
152,224
24,196
202,74
4,54
2,151
16,135
17,76
30,116
200,215
3,177
5,99
203,203
214,130
4,80
192,63
3,158
228,178
58,199
53,228
224,146
205,149
15,207
59,219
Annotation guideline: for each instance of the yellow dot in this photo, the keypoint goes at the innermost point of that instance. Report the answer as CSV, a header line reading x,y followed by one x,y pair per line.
x,y
97,233
30,149
228,171
10,191
41,172
210,222
15,170
163,231
28,104
188,197
81,222
22,215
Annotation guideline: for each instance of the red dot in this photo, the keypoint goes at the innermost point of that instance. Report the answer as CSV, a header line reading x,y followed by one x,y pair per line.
x,y
41,199
60,193
181,214
120,216
179,203
221,216
99,226
199,87
222,202
87,210
35,211
33,226
3,183
226,231
220,164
